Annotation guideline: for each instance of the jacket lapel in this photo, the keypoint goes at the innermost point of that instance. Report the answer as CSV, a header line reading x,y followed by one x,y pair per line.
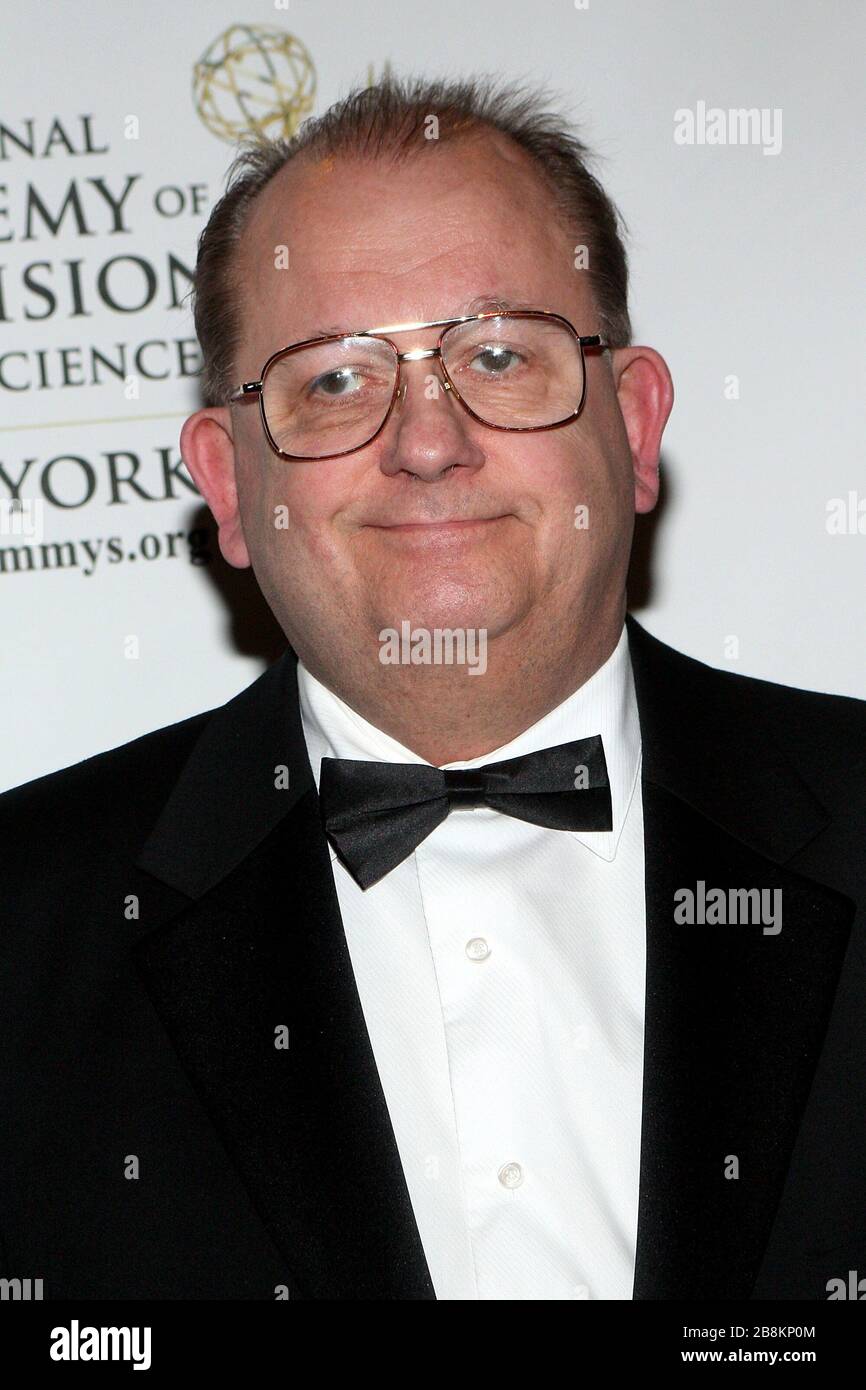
x,y
261,948
735,1018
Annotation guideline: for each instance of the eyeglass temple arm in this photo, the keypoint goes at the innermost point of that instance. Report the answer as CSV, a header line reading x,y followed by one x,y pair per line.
x,y
249,388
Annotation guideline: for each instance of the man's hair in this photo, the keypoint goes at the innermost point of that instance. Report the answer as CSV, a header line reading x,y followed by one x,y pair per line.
x,y
388,121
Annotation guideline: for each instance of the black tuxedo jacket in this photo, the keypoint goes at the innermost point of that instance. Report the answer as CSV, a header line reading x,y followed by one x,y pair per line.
x,y
166,908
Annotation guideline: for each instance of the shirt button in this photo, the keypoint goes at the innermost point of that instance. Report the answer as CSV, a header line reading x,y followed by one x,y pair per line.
x,y
477,948
510,1175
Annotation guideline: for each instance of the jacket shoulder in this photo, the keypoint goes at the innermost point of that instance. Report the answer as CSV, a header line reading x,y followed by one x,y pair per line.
x,y
824,732
122,788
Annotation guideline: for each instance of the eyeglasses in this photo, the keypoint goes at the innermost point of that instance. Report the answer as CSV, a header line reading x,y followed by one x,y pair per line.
x,y
517,370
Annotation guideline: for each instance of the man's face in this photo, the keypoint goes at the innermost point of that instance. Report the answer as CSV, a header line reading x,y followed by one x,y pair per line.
x,y
371,538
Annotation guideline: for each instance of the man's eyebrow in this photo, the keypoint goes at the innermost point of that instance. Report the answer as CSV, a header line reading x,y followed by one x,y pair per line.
x,y
481,304
487,303
325,331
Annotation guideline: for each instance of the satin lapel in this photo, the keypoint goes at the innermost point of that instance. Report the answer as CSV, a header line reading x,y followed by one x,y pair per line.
x,y
735,1016
262,949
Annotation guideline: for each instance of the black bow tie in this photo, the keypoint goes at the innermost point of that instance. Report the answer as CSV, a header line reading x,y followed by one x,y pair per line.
x,y
376,813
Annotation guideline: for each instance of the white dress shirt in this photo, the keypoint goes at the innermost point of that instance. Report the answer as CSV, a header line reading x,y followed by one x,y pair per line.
x,y
501,970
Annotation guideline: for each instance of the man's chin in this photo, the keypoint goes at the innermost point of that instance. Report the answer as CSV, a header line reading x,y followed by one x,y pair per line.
x,y
415,616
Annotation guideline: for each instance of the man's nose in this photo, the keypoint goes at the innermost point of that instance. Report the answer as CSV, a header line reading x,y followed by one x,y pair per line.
x,y
427,433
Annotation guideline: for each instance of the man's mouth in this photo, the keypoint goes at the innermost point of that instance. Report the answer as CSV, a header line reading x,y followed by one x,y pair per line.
x,y
449,524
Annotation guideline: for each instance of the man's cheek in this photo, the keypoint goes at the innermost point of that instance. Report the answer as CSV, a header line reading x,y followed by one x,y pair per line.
x,y
320,552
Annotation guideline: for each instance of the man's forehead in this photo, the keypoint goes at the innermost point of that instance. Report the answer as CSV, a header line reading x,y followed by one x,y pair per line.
x,y
433,246
329,201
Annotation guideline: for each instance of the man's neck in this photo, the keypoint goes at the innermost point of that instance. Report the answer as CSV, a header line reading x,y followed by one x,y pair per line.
x,y
444,714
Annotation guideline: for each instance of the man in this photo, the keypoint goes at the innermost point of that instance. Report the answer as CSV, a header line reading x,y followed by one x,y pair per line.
x,y
485,948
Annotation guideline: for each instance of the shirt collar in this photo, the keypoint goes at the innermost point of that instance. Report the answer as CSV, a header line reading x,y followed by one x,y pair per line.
x,y
605,704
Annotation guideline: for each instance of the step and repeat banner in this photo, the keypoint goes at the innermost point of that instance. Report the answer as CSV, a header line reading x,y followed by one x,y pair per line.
x,y
730,137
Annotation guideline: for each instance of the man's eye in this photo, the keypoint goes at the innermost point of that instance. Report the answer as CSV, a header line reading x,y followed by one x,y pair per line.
x,y
494,361
340,382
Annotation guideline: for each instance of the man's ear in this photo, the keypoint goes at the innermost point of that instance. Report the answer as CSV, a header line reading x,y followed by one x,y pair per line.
x,y
646,394
207,449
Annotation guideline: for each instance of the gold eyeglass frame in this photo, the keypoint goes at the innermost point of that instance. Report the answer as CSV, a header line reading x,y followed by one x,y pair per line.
x,y
248,389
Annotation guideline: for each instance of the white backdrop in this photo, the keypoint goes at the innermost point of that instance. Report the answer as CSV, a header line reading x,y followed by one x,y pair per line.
x,y
746,275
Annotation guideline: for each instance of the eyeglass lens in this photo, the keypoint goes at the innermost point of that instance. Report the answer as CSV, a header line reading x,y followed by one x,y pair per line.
x,y
518,373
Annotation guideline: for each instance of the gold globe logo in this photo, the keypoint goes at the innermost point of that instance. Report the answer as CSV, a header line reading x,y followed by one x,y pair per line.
x,y
254,80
